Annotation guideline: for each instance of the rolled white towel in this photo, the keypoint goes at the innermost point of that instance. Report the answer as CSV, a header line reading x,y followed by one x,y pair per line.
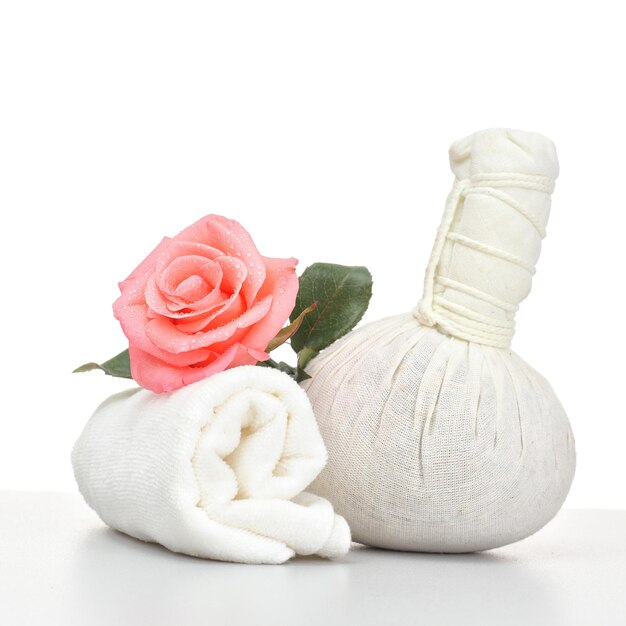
x,y
216,469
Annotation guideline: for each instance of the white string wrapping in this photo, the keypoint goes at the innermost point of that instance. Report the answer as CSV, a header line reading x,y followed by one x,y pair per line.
x,y
454,318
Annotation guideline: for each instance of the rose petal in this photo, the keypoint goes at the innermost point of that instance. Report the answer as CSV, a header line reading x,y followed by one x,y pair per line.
x,y
166,336
180,249
132,289
281,280
234,273
184,267
218,307
159,376
214,319
233,240
247,356
163,304
133,322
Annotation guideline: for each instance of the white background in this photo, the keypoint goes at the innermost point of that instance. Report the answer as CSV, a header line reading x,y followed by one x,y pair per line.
x,y
323,127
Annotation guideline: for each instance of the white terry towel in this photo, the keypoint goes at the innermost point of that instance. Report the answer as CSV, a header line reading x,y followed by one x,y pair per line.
x,y
215,469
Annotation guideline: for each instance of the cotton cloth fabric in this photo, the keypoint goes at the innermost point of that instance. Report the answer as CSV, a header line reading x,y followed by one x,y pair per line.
x,y
216,469
440,437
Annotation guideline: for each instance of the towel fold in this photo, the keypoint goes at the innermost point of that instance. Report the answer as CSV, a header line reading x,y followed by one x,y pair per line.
x,y
216,469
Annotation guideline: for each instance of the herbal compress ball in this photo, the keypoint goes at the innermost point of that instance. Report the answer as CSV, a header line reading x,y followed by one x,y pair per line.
x,y
440,437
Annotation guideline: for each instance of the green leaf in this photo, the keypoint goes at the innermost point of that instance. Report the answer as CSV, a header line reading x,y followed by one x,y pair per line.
x,y
118,366
290,330
282,366
301,375
343,294
305,355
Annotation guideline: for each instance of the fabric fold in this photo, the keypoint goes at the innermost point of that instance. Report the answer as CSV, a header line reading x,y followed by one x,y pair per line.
x,y
216,469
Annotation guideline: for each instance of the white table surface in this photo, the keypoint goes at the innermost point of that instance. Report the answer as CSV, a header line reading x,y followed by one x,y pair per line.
x,y
60,565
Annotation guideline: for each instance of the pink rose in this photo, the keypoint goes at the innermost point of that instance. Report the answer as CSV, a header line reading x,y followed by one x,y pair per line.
x,y
203,302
